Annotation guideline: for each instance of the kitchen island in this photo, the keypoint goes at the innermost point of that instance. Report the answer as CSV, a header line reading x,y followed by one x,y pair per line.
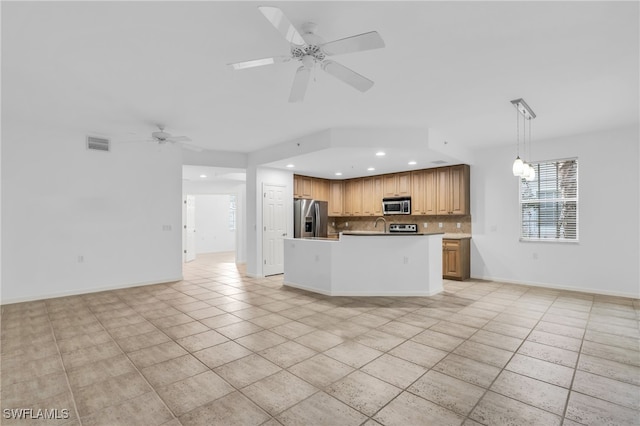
x,y
365,264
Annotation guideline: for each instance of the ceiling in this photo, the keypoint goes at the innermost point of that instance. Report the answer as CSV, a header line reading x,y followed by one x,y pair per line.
x,y
118,68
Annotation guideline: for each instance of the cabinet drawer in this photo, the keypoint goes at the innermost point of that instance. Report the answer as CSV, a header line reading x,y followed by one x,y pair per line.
x,y
451,244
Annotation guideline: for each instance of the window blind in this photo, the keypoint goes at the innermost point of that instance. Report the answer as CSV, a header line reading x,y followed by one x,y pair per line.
x,y
549,203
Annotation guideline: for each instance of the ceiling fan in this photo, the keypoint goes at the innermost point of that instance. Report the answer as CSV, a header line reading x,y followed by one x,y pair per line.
x,y
310,49
163,137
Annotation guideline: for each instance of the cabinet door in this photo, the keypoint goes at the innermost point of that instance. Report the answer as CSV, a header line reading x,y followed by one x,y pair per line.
x,y
389,185
306,187
297,190
320,189
442,190
430,192
418,192
356,197
377,196
403,184
451,259
335,198
367,196
459,189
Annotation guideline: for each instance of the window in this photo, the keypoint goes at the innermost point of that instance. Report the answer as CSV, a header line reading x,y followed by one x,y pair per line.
x,y
549,203
232,212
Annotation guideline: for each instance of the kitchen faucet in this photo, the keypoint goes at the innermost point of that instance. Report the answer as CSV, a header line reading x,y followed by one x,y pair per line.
x,y
375,225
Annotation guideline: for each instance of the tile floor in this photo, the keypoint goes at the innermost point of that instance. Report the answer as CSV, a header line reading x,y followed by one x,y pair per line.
x,y
220,348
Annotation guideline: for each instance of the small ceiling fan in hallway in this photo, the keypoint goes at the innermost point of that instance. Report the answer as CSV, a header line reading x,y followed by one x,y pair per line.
x,y
310,49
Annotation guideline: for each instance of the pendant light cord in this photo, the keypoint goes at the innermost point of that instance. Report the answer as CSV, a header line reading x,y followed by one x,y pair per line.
x,y
518,131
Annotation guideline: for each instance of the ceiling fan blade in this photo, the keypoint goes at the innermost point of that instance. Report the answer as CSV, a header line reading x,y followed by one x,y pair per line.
x,y
350,77
178,139
357,43
259,62
282,24
300,83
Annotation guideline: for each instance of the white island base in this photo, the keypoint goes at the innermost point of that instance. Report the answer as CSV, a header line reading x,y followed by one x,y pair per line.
x,y
366,265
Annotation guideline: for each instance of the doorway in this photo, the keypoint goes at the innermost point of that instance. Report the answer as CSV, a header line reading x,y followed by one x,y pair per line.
x,y
209,225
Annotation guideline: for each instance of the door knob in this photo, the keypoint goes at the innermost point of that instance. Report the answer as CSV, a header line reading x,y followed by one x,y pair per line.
x,y
284,235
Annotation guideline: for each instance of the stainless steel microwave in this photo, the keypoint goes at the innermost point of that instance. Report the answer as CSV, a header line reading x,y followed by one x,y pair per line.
x,y
396,205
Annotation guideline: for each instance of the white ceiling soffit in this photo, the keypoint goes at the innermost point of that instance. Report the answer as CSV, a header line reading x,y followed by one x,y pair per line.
x,y
118,68
213,174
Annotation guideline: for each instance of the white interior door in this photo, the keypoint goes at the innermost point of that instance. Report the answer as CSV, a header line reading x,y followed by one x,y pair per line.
x,y
274,221
189,228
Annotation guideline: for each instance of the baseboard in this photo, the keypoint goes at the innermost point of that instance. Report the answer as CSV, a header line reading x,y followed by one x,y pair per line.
x,y
4,302
559,287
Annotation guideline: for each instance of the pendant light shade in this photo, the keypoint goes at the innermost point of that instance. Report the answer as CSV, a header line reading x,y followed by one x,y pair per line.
x,y
518,167
531,175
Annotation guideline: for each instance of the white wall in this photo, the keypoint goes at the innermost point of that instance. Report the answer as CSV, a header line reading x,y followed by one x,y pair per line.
x,y
61,201
212,224
606,258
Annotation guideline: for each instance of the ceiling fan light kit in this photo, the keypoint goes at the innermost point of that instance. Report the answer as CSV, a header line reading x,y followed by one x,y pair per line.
x,y
310,49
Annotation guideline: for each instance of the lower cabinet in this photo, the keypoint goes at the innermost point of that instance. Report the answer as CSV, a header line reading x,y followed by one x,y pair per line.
x,y
456,260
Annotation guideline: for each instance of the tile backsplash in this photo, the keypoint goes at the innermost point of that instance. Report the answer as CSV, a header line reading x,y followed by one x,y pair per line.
x,y
366,223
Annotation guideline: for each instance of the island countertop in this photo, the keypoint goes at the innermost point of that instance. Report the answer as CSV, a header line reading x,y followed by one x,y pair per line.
x,y
357,266
389,234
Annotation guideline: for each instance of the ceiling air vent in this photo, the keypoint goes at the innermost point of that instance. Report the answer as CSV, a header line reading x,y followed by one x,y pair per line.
x,y
439,162
98,144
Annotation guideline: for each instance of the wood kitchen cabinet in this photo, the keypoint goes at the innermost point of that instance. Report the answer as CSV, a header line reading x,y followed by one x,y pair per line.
x,y
372,196
310,188
320,189
336,198
353,197
302,186
397,184
456,260
452,187
423,192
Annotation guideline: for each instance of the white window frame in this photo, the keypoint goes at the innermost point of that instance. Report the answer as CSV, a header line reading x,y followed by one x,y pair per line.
x,y
522,202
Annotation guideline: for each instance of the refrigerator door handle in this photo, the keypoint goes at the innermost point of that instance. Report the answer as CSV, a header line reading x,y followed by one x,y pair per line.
x,y
316,225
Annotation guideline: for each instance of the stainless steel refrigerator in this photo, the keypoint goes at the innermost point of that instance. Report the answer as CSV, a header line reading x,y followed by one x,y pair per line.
x,y
310,218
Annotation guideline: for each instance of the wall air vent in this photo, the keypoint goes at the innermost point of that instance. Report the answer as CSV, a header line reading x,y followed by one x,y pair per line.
x,y
98,144
439,162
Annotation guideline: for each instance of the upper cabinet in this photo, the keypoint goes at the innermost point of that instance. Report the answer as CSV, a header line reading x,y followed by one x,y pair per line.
x,y
353,197
397,184
302,186
320,190
336,194
437,191
452,184
311,188
423,192
372,196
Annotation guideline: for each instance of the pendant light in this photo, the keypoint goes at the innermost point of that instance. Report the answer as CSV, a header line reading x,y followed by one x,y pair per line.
x,y
520,168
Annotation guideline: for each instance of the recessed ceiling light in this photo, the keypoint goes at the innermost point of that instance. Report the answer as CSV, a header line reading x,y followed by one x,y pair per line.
x,y
381,153
289,166
371,169
338,173
412,163
203,176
